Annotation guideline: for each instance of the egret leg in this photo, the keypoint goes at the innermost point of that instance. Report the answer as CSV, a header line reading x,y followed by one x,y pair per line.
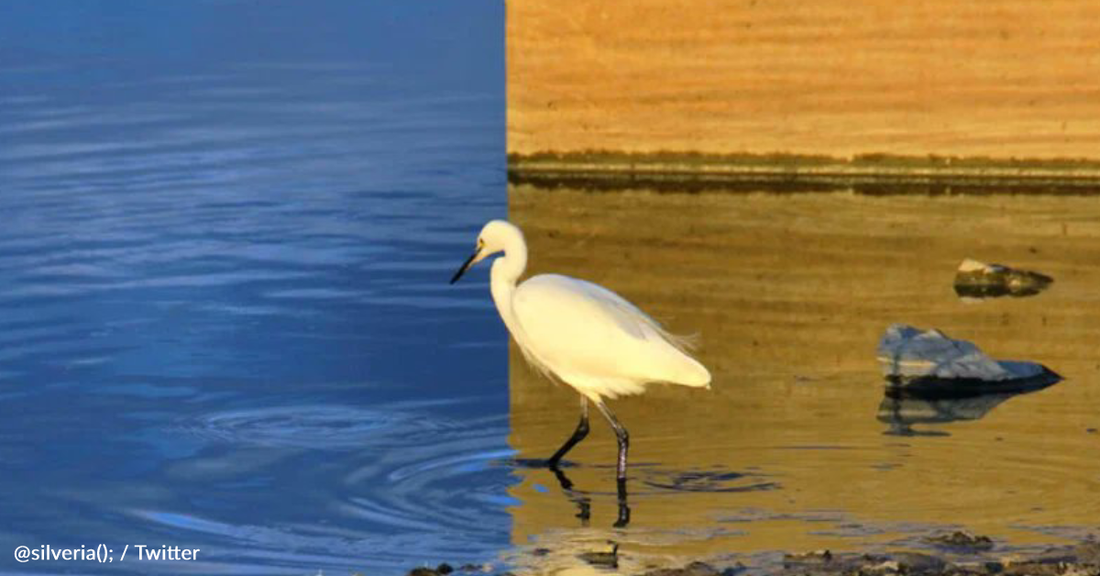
x,y
622,435
624,506
578,435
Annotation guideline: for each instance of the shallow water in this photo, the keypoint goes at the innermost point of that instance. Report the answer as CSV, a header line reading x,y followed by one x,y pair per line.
x,y
224,318
796,447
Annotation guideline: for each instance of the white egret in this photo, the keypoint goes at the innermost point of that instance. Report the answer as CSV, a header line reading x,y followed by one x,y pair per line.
x,y
582,334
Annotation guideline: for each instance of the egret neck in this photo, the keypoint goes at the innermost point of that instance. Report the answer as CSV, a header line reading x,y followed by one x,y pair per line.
x,y
506,270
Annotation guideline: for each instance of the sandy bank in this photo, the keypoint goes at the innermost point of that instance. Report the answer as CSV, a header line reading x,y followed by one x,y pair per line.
x,y
871,173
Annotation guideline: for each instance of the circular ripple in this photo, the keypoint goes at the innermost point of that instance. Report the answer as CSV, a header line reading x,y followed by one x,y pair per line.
x,y
455,481
401,478
319,427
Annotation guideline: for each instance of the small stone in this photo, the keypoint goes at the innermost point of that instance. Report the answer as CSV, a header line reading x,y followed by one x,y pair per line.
x,y
735,570
976,279
808,562
887,567
1088,551
962,539
444,568
604,559
916,563
816,555
693,569
1034,569
976,569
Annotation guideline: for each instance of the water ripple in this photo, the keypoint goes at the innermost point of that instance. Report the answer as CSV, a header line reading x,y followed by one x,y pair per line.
x,y
322,427
398,486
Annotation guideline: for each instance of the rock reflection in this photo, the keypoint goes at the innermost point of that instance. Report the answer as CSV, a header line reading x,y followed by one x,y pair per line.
x,y
902,413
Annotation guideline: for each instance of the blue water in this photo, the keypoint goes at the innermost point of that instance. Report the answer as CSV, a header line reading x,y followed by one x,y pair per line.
x,y
226,230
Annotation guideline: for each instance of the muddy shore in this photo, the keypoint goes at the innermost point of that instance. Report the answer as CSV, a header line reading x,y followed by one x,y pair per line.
x,y
954,554
866,173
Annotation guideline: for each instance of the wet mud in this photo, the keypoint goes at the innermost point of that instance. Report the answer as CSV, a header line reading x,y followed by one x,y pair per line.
x,y
957,553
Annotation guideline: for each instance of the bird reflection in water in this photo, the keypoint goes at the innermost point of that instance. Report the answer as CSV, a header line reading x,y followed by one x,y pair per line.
x,y
580,498
659,481
584,502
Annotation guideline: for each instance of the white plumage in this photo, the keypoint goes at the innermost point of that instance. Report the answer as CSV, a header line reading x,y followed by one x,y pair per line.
x,y
596,341
581,333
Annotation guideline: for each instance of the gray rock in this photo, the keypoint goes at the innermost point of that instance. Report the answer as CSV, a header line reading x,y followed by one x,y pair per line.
x,y
827,563
695,569
963,540
917,563
931,364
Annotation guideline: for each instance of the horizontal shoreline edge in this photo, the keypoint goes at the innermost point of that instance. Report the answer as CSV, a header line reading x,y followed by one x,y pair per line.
x,y
868,173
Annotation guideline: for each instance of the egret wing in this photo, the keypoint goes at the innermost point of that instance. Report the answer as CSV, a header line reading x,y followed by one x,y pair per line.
x,y
577,327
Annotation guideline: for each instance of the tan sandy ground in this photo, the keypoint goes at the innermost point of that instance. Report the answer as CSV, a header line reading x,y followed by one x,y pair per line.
x,y
998,77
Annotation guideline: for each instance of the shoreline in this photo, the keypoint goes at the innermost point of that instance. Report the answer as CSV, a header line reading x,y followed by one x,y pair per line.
x,y
949,554
865,173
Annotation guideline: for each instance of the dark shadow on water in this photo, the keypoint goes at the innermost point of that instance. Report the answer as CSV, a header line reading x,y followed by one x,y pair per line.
x,y
536,463
987,292
710,481
933,388
902,413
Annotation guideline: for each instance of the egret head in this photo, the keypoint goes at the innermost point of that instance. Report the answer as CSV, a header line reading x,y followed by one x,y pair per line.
x,y
495,237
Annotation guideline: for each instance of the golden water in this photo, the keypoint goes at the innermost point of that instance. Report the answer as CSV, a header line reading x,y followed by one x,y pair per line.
x,y
789,295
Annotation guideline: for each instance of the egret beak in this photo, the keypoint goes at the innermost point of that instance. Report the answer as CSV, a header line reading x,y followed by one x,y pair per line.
x,y
473,259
